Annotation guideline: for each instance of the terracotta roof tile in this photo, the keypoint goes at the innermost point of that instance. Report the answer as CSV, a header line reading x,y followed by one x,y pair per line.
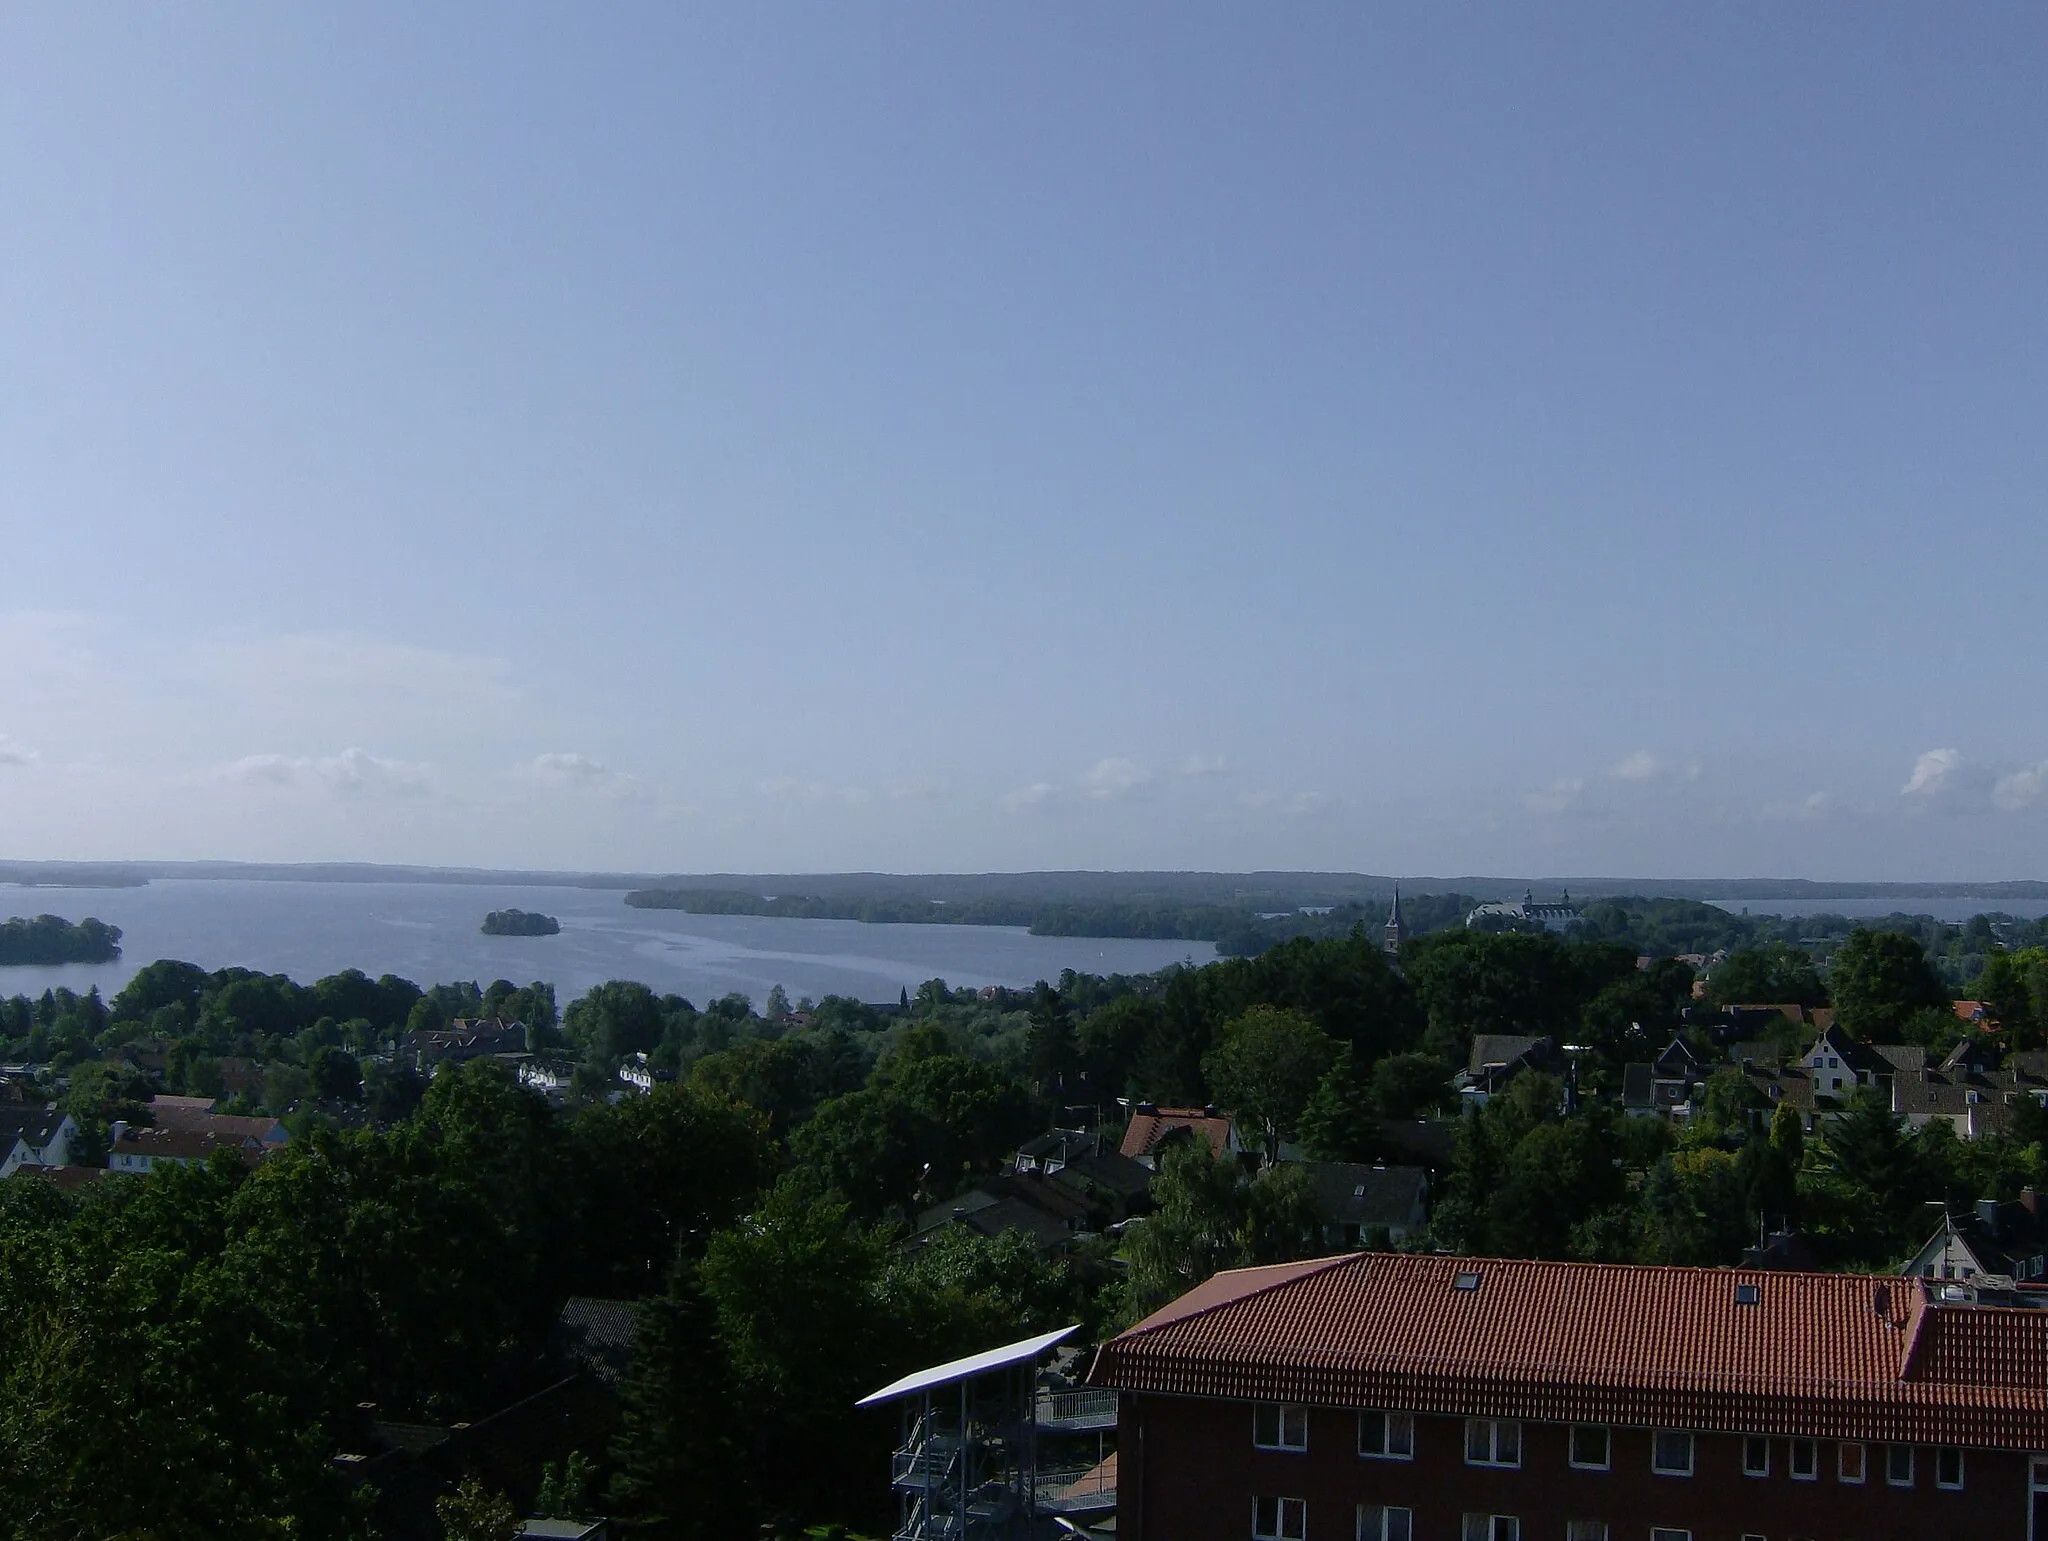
x,y
1149,1126
1819,1355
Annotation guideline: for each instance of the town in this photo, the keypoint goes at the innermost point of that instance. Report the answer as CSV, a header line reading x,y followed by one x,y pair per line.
x,y
475,1256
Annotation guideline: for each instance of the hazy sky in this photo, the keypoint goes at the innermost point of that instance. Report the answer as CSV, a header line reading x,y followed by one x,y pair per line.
x,y
1572,439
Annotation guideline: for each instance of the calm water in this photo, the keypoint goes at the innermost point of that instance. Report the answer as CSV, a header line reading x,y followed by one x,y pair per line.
x,y
427,933
1954,911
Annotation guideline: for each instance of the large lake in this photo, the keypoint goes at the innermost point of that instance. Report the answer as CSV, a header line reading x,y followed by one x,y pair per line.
x,y
428,933
1954,911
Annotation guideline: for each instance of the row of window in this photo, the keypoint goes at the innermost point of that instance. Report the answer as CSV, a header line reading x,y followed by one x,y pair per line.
x,y
1386,1436
1286,1519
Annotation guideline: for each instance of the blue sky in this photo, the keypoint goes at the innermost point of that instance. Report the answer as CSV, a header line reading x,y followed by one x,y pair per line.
x,y
1589,440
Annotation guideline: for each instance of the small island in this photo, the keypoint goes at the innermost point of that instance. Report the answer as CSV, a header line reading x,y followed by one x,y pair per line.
x,y
520,923
49,941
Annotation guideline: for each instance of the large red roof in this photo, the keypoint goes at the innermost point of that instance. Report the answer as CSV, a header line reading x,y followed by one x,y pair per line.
x,y
1822,1355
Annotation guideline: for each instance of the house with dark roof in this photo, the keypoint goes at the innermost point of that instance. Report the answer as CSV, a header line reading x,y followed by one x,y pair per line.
x,y
1368,1205
1389,1395
465,1038
142,1150
34,1136
1992,1241
1496,1059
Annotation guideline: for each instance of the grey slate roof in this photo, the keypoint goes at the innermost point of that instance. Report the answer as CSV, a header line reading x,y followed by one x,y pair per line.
x,y
1349,1193
597,1336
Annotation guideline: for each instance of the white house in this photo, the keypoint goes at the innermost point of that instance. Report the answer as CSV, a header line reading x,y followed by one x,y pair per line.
x,y
34,1137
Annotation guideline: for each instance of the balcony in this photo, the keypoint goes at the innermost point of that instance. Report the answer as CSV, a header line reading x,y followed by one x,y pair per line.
x,y
1076,1412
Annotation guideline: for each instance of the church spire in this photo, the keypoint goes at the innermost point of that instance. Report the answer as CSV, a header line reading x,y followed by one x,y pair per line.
x,y
1396,931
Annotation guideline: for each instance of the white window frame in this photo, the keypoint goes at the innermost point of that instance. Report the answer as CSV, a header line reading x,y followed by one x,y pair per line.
x,y
1396,1431
1811,1449
1657,1438
1606,1461
1585,1530
1751,1443
1940,1457
1282,1509
1493,1428
1667,1533
1862,1472
1288,1417
1386,1527
1892,1478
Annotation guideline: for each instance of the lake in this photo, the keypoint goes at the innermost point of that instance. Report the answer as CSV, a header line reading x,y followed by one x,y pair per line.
x,y
428,933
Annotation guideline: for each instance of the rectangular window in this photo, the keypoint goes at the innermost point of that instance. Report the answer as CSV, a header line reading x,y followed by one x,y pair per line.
x,y
1948,1470
1849,1463
1665,1533
1492,1527
1898,1465
1805,1461
1387,1436
1591,1446
1756,1456
1383,1523
1671,1453
1585,1530
1279,1519
1280,1426
1492,1442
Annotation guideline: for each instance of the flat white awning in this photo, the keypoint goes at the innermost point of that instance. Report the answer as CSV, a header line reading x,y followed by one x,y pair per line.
x,y
968,1368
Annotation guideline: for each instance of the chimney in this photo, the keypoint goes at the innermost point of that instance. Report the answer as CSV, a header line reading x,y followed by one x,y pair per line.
x,y
115,1130
2030,1200
1987,1215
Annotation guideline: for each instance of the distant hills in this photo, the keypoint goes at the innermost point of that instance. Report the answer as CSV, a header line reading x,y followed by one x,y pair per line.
x,y
1236,889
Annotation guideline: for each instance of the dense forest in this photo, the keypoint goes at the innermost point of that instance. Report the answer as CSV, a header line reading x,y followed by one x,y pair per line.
x,y
413,1245
49,941
520,923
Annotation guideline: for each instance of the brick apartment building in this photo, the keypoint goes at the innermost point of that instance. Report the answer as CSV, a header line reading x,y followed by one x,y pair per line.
x,y
1380,1397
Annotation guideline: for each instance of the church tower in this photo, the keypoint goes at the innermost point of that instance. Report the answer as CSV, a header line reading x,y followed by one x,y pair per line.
x,y
1396,931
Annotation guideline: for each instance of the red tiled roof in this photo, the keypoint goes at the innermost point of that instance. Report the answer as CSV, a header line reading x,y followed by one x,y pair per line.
x,y
1830,1356
1149,1126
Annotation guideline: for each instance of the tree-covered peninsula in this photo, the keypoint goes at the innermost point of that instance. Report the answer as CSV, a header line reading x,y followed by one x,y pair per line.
x,y
49,940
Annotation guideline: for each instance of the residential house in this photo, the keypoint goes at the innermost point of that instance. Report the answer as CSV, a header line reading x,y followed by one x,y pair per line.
x,y
1667,1087
550,1077
1046,1211
1993,1240
1366,1205
1387,1395
642,1074
426,1049
195,1115
1840,1067
1152,1126
142,1150
34,1137
1496,1059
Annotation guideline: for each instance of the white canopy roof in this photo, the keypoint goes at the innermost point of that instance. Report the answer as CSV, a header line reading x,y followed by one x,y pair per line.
x,y
968,1368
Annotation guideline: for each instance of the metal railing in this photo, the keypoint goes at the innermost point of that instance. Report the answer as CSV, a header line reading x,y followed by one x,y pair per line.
x,y
1084,1408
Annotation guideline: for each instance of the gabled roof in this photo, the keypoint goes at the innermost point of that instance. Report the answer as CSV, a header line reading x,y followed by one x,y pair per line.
x,y
32,1125
1348,1193
1816,1355
1022,1352
1150,1125
597,1335
1503,1049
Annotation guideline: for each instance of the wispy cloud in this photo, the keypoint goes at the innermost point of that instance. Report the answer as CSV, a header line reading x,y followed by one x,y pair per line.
x,y
1196,765
581,773
1116,777
1037,795
2026,787
1560,795
797,789
1640,766
353,773
13,753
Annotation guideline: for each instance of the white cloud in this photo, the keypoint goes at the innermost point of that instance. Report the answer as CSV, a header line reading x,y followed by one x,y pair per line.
x,y
795,789
1816,804
2026,787
1557,797
581,773
1640,766
1935,772
353,772
13,753
1033,796
1201,765
1115,777
1297,804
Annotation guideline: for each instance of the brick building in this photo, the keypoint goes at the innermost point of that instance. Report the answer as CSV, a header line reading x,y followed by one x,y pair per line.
x,y
1407,1398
